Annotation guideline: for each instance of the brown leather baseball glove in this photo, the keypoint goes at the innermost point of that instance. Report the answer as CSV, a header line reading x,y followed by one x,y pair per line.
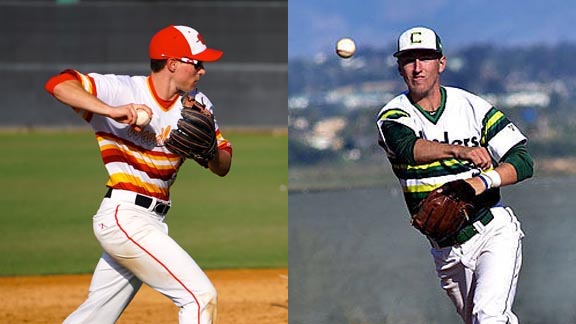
x,y
445,210
195,135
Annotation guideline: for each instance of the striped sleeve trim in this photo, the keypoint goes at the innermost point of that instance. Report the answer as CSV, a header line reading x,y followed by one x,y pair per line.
x,y
393,114
223,144
499,134
493,122
87,83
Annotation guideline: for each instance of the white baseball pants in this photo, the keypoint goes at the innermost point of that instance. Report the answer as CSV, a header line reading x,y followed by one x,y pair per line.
x,y
480,276
137,249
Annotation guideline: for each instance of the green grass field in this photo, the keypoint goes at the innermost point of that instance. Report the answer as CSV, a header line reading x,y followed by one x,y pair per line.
x,y
53,182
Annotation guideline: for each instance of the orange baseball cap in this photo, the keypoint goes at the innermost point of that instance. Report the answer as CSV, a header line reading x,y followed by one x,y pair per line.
x,y
181,42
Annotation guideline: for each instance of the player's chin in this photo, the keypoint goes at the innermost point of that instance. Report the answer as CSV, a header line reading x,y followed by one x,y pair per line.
x,y
191,86
186,89
418,88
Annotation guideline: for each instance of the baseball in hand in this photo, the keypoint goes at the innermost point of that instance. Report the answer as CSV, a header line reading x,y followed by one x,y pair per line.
x,y
345,47
143,118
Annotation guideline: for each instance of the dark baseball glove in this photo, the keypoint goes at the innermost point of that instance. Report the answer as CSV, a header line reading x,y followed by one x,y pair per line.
x,y
445,210
195,135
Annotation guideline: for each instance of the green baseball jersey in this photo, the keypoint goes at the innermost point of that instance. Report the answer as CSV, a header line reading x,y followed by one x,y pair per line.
x,y
462,119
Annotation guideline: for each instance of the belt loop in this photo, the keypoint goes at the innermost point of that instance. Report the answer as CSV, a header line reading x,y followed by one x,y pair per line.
x,y
144,201
480,228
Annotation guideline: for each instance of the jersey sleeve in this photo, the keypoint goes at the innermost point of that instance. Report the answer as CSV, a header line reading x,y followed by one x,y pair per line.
x,y
499,134
59,78
70,74
396,134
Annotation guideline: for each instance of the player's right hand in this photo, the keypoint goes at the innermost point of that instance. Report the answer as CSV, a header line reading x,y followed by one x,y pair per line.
x,y
478,156
127,114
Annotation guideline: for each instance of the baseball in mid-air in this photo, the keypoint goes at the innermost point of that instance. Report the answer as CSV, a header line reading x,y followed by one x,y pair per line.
x,y
345,47
143,118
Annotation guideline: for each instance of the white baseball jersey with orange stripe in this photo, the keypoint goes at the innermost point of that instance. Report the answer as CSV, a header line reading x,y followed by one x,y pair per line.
x,y
138,161
129,224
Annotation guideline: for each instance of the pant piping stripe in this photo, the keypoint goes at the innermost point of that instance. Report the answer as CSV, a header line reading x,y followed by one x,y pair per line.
x,y
157,260
518,247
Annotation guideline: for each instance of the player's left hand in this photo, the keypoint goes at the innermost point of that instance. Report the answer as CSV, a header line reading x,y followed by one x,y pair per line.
x,y
195,136
445,210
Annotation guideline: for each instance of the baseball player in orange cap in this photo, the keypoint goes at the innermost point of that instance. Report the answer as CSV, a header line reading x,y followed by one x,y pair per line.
x,y
130,224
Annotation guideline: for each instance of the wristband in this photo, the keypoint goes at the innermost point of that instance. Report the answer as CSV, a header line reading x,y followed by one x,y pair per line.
x,y
485,180
495,177
491,179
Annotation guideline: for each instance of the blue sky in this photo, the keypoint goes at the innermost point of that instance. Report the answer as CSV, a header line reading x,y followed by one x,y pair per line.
x,y
315,25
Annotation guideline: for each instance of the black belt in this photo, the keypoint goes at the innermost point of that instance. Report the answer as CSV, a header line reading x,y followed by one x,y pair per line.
x,y
146,202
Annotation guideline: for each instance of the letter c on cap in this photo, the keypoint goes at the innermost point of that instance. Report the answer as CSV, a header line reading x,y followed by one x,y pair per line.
x,y
415,38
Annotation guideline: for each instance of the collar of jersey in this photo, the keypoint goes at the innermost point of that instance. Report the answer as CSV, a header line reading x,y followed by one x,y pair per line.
x,y
164,104
434,116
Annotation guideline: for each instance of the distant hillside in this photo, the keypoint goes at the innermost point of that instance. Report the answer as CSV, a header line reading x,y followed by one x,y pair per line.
x,y
333,102
480,68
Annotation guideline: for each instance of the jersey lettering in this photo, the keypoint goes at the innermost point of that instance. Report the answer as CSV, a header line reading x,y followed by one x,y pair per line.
x,y
470,142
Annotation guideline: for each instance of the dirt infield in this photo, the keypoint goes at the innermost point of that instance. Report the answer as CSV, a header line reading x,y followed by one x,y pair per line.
x,y
244,297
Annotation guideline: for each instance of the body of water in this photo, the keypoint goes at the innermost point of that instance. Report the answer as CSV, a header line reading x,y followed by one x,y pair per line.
x,y
354,258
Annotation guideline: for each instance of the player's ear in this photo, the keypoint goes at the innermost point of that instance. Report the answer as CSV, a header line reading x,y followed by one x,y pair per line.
x,y
171,64
442,64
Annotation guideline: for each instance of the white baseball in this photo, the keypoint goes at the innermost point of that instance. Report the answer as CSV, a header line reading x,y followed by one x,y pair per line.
x,y
143,118
345,47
